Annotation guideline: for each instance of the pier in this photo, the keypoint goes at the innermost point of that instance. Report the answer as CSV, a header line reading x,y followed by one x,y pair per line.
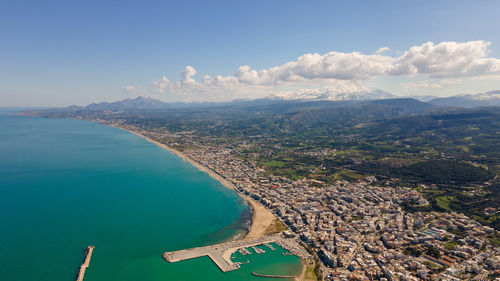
x,y
270,247
86,263
244,251
257,250
221,253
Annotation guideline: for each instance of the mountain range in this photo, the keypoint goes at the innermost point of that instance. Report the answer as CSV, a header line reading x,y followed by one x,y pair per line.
x,y
128,104
491,98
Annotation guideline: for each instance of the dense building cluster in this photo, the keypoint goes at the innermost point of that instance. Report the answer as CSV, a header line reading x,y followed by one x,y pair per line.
x,y
359,231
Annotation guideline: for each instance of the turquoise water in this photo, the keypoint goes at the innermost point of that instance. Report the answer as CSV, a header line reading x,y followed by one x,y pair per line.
x,y
66,184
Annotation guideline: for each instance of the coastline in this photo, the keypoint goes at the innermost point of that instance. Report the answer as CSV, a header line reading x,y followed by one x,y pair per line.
x,y
262,218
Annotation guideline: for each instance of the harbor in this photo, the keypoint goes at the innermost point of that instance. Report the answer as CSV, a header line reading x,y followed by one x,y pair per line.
x,y
221,253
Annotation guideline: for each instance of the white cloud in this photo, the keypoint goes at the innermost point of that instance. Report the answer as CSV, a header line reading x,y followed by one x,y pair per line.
x,y
382,50
421,85
130,88
448,59
333,65
186,75
161,84
443,60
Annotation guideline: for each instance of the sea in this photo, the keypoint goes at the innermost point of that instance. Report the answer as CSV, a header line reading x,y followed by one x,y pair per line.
x,y
66,184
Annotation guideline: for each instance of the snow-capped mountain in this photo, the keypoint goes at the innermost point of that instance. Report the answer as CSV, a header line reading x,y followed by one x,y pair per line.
x,y
491,98
338,93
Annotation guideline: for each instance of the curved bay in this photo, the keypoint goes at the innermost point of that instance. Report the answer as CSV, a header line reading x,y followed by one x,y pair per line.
x,y
66,184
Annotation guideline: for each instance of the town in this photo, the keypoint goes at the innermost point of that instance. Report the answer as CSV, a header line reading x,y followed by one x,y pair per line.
x,y
359,231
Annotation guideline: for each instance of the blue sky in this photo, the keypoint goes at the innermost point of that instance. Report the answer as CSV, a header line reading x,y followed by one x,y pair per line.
x,y
77,52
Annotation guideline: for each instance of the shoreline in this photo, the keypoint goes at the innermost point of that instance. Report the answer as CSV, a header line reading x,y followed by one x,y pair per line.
x,y
262,218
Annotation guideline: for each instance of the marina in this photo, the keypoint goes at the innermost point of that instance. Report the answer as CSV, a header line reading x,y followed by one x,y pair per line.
x,y
221,253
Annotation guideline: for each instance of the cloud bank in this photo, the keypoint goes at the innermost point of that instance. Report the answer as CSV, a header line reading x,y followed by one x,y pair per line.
x,y
448,59
443,60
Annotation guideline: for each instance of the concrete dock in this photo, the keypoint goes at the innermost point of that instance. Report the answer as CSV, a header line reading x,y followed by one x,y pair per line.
x,y
244,251
221,253
86,263
270,247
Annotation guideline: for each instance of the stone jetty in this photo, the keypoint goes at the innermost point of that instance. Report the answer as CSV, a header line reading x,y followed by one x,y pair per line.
x,y
85,264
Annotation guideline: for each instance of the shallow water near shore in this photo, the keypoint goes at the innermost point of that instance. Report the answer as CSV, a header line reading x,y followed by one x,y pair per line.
x,y
66,184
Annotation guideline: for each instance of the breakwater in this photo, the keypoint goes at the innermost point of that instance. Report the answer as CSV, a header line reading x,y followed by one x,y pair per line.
x,y
86,263
273,276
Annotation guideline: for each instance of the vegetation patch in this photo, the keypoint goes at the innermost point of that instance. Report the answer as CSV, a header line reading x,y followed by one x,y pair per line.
x,y
450,245
445,171
274,163
276,227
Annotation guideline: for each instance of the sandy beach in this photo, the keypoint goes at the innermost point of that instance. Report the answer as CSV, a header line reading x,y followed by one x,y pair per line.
x,y
262,218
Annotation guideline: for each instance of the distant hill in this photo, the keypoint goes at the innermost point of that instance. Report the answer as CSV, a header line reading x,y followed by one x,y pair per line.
x,y
468,101
350,114
127,104
409,105
424,98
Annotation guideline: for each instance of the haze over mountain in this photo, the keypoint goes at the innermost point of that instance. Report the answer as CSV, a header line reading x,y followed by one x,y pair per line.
x,y
137,103
491,98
